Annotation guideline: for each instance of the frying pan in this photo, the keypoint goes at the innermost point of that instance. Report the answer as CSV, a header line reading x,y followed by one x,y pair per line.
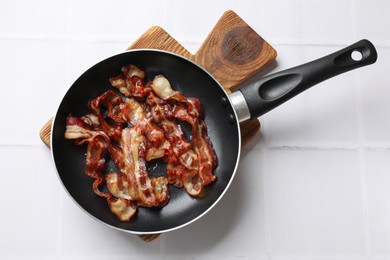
x,y
222,112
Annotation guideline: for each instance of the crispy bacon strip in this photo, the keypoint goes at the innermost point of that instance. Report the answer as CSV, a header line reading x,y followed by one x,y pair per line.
x,y
78,130
137,114
180,157
130,82
120,188
134,78
176,149
95,162
142,127
91,120
124,209
96,149
162,87
206,155
134,183
193,115
119,82
189,110
110,102
134,149
131,188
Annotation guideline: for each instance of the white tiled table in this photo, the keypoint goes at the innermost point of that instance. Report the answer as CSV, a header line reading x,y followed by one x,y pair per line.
x,y
314,184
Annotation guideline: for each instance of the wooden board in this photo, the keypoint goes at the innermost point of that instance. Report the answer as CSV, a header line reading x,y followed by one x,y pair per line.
x,y
232,52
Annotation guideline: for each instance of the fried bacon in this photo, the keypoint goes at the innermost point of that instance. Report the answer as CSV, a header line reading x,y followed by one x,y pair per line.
x,y
137,114
143,126
134,149
122,208
201,141
96,150
110,101
181,158
162,87
200,167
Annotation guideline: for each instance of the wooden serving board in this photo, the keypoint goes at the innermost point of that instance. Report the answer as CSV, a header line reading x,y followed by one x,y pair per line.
x,y
232,52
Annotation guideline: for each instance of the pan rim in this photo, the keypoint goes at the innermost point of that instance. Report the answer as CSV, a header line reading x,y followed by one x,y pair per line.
x,y
167,229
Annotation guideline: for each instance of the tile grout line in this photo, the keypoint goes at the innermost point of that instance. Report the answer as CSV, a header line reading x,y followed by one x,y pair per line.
x,y
331,43
326,148
162,246
59,249
267,204
116,38
363,182
361,150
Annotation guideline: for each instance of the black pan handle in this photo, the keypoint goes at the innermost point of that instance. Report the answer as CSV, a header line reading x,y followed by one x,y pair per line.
x,y
273,90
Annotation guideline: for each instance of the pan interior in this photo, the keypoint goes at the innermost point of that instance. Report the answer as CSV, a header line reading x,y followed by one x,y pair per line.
x,y
184,76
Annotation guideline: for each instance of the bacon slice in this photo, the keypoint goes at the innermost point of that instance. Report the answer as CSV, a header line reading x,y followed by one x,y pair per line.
x,y
137,185
160,190
122,208
189,110
96,150
180,152
118,185
134,149
193,115
95,162
130,81
163,89
134,78
108,101
137,129
119,82
77,129
137,114
206,155
92,120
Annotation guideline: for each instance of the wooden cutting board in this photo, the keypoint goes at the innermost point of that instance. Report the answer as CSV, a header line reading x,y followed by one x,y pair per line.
x,y
232,52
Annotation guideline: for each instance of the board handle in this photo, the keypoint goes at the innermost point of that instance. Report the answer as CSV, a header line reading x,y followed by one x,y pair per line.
x,y
45,132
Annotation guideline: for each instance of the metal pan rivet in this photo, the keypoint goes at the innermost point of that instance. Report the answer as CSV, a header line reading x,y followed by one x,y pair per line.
x,y
224,101
231,118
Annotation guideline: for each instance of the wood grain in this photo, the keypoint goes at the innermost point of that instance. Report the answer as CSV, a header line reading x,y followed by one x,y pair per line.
x,y
157,38
45,132
232,52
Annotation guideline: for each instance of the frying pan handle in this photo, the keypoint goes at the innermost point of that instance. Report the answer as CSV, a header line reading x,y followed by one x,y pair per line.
x,y
273,90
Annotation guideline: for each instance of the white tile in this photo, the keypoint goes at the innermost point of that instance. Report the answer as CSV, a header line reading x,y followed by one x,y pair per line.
x,y
239,216
324,115
378,193
29,219
372,20
44,18
84,237
315,200
118,20
33,82
85,54
307,21
375,102
276,21
190,28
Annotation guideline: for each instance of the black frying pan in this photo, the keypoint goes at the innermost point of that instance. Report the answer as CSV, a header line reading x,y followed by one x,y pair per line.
x,y
222,116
